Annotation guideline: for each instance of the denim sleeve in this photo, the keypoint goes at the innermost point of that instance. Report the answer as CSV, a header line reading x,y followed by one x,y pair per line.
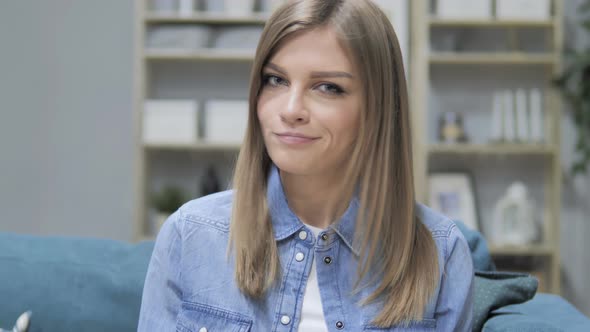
x,y
454,311
162,295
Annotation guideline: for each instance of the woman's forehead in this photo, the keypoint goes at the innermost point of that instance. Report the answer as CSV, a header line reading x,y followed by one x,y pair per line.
x,y
317,49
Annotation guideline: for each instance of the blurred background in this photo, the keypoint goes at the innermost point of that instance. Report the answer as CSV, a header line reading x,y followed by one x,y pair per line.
x,y
115,112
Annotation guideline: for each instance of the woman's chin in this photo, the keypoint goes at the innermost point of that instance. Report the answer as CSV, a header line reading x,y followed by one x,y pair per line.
x,y
293,165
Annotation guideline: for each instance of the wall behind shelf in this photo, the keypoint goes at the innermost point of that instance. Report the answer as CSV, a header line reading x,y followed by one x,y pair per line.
x,y
66,117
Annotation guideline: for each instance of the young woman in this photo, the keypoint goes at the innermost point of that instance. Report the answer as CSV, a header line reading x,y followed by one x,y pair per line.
x,y
321,231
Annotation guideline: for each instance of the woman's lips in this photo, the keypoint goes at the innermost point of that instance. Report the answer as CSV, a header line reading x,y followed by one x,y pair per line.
x,y
294,138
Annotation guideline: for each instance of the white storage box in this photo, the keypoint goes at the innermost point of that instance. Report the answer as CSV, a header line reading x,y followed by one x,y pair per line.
x,y
239,7
178,37
225,121
534,10
170,122
236,37
464,9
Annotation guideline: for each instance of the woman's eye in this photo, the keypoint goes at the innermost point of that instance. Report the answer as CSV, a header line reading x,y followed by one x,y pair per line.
x,y
273,80
330,89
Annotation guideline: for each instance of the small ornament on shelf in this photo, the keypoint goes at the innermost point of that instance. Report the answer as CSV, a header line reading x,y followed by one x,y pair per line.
x,y
210,182
450,128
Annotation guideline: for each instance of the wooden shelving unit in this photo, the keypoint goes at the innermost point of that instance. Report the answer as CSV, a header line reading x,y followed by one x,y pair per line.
x,y
199,146
493,149
205,54
452,58
205,18
428,152
146,60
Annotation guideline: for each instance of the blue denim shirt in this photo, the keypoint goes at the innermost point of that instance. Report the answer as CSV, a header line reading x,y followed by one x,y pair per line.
x,y
190,283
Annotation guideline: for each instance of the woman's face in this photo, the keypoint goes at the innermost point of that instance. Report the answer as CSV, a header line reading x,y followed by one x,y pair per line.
x,y
310,104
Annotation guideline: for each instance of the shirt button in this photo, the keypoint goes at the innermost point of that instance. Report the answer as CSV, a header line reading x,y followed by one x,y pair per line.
x,y
299,257
285,320
303,235
328,260
339,325
203,329
325,237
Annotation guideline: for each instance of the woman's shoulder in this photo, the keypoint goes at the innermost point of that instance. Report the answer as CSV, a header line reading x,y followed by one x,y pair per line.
x,y
437,223
212,210
445,232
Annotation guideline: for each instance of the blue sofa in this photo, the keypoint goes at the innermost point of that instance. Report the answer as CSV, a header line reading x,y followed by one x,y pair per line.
x,y
85,284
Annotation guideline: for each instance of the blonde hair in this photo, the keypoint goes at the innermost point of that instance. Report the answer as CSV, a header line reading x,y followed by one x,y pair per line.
x,y
396,250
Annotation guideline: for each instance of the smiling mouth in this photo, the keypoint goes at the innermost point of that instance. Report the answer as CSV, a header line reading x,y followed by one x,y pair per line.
x,y
294,138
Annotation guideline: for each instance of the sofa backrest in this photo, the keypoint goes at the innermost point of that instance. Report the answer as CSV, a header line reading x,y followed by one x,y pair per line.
x,y
72,284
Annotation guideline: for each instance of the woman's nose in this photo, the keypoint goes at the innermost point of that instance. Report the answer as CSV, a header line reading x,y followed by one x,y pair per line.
x,y
295,112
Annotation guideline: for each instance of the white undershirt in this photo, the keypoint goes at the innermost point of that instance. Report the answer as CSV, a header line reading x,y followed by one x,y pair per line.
x,y
312,313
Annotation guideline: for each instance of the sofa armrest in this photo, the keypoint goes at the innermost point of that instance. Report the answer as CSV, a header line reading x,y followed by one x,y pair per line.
x,y
543,313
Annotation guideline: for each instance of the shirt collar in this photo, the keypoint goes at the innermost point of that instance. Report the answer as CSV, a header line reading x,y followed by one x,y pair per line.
x,y
285,223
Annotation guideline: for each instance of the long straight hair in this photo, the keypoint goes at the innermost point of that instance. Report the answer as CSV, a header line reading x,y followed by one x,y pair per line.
x,y
397,252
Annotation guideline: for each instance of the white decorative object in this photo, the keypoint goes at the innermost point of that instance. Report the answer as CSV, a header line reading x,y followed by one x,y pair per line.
x,y
513,219
536,118
508,116
522,118
170,122
22,323
464,9
523,9
186,7
452,195
225,121
497,117
239,7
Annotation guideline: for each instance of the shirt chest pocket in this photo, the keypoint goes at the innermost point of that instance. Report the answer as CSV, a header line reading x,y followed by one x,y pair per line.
x,y
195,317
425,325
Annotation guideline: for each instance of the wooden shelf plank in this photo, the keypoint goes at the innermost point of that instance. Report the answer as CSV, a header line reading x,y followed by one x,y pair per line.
x,y
491,23
203,54
456,58
198,146
205,18
492,149
530,250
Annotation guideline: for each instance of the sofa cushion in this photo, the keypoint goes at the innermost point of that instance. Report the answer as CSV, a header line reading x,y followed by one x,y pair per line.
x,y
72,284
482,260
544,313
493,290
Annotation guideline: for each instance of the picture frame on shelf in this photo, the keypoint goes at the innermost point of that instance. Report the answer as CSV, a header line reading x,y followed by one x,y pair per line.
x,y
453,195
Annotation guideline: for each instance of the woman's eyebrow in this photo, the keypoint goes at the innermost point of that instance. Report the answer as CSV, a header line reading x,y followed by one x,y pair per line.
x,y
277,68
314,74
318,74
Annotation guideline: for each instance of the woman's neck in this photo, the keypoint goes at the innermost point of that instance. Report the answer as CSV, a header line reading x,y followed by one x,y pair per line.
x,y
316,199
